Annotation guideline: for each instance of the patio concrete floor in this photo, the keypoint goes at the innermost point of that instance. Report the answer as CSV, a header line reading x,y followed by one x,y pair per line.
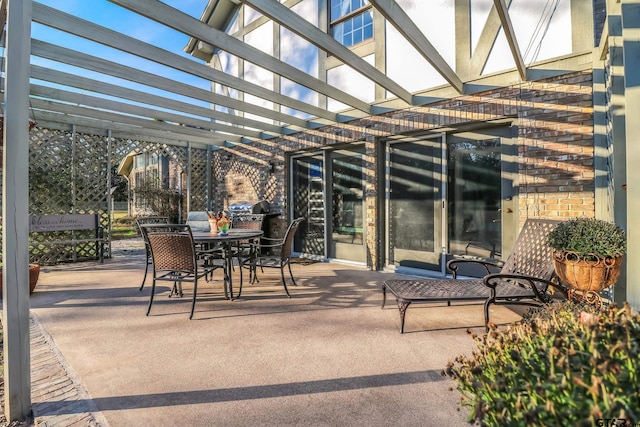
x,y
328,356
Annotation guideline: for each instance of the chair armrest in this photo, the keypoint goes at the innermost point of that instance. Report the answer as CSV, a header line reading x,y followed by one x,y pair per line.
x,y
494,280
216,251
271,239
277,245
452,265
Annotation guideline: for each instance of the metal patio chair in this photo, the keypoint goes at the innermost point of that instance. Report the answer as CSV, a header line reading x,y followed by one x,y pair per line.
x,y
143,220
273,253
175,259
245,248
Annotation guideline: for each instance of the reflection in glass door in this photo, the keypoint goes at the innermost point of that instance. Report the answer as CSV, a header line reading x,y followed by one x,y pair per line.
x,y
347,200
474,196
414,203
308,202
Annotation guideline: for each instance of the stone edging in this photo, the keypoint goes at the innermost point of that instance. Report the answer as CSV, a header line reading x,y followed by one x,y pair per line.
x,y
58,397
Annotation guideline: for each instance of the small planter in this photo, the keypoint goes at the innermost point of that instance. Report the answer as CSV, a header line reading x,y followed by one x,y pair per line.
x,y
34,274
586,274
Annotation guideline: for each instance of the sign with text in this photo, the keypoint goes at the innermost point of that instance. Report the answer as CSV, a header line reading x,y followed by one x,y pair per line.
x,y
61,222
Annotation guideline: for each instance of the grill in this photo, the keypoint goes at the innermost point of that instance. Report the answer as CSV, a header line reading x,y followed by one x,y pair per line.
x,y
261,207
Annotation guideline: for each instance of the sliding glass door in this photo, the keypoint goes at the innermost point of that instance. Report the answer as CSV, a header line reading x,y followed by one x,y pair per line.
x,y
414,203
328,190
308,195
449,196
347,205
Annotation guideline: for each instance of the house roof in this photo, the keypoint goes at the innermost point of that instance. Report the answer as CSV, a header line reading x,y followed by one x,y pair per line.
x,y
126,164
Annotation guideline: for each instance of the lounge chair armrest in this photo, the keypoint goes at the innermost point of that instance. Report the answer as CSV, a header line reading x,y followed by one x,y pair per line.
x,y
452,265
536,283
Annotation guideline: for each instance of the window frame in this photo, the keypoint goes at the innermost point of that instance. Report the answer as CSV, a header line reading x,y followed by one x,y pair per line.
x,y
331,24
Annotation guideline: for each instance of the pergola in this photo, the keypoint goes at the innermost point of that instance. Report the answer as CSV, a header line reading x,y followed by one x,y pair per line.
x,y
184,116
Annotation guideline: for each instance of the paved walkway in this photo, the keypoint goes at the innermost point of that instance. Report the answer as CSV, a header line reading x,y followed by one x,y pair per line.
x,y
327,356
58,397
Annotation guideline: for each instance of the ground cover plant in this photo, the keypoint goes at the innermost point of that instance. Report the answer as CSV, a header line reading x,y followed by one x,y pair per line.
x,y
563,364
122,227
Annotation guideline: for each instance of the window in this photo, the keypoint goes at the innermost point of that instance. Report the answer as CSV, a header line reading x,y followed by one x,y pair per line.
x,y
351,21
139,161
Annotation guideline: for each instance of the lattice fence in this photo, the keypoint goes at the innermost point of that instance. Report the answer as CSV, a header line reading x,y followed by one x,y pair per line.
x,y
69,173
199,189
73,172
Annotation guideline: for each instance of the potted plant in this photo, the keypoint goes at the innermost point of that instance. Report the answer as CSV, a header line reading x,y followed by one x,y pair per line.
x,y
587,253
34,273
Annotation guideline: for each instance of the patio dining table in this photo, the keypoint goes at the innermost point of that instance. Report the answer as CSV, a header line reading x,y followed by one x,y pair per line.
x,y
226,242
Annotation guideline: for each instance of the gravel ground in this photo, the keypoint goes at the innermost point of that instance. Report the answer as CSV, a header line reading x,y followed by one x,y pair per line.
x,y
133,246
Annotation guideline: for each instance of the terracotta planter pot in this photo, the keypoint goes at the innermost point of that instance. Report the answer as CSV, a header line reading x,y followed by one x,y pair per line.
x,y
584,275
34,273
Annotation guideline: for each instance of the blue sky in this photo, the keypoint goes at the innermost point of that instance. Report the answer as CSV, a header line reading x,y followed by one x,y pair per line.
x,y
121,20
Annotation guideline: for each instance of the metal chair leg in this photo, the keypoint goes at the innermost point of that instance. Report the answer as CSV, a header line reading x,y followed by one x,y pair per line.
x,y
283,281
153,291
195,293
144,279
291,274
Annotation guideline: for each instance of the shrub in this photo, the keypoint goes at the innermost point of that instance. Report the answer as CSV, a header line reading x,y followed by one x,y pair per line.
x,y
586,236
564,364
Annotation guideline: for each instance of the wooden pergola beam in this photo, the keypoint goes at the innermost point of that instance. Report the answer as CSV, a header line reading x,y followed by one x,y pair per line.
x,y
294,22
62,21
405,26
510,33
184,23
15,214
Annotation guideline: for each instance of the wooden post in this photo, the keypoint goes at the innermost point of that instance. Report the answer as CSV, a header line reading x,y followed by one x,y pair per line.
x,y
15,212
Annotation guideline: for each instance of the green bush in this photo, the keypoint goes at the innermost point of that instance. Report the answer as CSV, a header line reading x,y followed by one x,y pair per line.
x,y
564,364
586,236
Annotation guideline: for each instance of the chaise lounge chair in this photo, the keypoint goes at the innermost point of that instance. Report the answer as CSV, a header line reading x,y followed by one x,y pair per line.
x,y
526,278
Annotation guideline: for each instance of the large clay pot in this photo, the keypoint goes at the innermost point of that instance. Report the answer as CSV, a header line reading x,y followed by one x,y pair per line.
x,y
586,275
34,273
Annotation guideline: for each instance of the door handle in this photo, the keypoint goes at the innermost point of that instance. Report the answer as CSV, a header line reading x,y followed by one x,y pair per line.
x,y
507,210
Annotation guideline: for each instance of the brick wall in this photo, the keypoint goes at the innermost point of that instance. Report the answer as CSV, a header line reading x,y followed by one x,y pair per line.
x,y
556,166
555,147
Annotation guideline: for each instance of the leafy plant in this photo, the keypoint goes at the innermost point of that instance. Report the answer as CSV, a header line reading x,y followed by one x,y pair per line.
x,y
158,200
585,236
564,364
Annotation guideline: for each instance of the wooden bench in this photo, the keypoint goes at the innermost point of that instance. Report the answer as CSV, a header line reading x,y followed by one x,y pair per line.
x,y
526,277
61,230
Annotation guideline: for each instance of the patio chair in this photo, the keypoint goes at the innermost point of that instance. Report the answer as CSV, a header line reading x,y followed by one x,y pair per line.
x,y
175,259
198,221
526,278
148,220
273,253
244,249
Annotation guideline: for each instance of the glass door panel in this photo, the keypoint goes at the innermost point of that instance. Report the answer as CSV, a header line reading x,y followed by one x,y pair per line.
x,y
414,199
347,197
308,202
474,196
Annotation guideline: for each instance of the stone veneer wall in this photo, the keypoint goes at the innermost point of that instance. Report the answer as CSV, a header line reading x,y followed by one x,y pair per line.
x,y
555,149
